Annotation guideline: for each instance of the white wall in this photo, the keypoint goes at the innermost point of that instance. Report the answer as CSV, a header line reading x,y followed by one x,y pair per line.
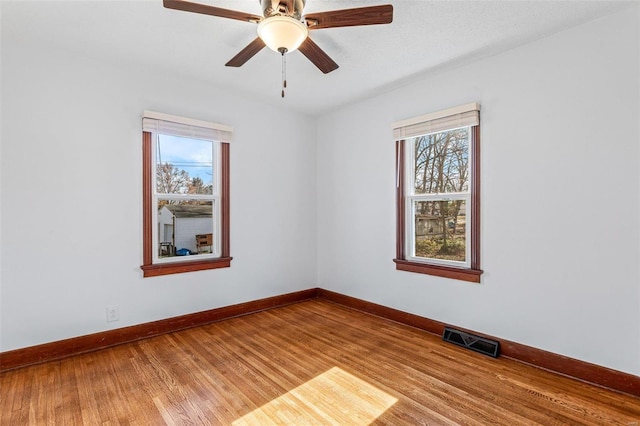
x,y
71,197
560,196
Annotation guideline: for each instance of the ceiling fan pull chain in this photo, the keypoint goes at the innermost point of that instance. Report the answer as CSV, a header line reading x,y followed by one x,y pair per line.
x,y
282,51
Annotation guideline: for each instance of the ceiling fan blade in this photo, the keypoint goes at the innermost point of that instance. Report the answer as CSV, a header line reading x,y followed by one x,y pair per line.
x,y
204,9
317,56
247,53
350,17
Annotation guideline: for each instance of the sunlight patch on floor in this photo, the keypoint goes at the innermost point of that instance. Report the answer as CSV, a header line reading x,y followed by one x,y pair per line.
x,y
335,397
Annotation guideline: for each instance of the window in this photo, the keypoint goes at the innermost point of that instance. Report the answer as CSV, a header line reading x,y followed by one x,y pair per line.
x,y
438,194
185,195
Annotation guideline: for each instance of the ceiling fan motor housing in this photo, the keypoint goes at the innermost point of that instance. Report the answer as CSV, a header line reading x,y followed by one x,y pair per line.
x,y
291,8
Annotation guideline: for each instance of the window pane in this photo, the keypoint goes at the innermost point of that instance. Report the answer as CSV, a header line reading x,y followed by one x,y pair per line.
x,y
440,229
441,162
184,165
185,228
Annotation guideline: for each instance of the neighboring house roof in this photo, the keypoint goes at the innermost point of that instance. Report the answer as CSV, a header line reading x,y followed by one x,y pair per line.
x,y
187,211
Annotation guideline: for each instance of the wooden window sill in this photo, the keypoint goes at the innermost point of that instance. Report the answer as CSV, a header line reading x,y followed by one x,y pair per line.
x,y
464,274
186,266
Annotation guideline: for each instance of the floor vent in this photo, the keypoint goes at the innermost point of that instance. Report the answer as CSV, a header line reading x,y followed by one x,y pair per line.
x,y
470,341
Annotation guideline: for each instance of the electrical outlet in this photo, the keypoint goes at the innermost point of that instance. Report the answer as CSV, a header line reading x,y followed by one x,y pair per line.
x,y
113,313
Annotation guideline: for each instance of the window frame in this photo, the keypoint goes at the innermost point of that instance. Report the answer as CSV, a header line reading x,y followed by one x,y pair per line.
x,y
404,226
152,266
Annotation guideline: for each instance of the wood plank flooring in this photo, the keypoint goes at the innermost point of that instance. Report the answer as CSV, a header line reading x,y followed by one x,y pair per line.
x,y
311,363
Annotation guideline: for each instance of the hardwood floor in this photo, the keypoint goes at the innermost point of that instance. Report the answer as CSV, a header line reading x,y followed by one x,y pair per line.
x,y
313,362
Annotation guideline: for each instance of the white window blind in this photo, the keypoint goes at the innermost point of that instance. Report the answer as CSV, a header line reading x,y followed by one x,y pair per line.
x,y
185,127
451,118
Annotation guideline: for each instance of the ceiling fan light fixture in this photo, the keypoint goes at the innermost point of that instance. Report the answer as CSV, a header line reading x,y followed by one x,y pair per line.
x,y
280,32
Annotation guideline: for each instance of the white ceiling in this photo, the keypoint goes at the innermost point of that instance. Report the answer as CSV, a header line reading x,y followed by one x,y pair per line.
x,y
425,36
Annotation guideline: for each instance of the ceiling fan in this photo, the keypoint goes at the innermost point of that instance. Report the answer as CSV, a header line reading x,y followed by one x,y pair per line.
x,y
284,29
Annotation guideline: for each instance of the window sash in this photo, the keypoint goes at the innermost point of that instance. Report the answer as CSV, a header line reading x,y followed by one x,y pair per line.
x,y
410,230
216,227
409,166
215,166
